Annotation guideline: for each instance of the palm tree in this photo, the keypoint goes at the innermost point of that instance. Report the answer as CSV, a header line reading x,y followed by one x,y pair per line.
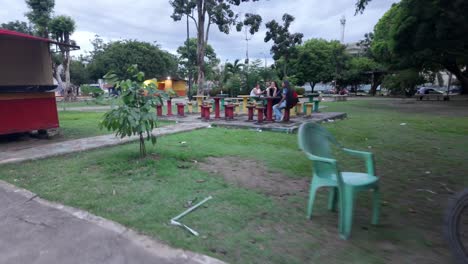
x,y
234,68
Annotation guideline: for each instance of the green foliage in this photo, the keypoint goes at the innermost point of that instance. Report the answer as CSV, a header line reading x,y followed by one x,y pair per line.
x,y
135,116
284,42
78,73
361,5
403,82
357,70
211,12
215,91
40,15
234,85
316,61
61,28
19,26
235,68
188,59
300,90
118,56
425,35
251,21
91,91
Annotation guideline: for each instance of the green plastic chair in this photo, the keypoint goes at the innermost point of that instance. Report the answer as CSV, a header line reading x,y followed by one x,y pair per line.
x,y
315,141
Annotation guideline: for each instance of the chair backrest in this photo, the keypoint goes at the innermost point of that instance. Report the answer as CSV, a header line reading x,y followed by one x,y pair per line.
x,y
315,139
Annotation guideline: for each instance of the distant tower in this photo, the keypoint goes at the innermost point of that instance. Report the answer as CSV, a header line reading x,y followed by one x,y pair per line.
x,y
343,23
247,39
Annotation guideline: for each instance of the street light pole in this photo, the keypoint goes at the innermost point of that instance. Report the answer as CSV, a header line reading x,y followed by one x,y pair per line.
x,y
188,63
265,57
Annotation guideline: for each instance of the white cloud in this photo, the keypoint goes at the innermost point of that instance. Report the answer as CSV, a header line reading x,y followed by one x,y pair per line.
x,y
149,20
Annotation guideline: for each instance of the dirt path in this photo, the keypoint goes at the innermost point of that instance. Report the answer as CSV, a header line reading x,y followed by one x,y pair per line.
x,y
255,175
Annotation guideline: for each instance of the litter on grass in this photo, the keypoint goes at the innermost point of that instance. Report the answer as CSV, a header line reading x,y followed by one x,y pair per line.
x,y
174,221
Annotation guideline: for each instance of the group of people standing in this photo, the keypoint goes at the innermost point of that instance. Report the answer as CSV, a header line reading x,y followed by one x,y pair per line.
x,y
283,96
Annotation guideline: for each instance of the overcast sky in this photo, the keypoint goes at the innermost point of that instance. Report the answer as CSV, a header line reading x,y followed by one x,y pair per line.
x,y
149,20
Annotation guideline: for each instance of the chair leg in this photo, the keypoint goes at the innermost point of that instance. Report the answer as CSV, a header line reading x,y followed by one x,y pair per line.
x,y
332,198
310,205
376,206
346,217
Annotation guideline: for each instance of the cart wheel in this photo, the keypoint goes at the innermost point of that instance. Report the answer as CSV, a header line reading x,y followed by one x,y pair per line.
x,y
456,226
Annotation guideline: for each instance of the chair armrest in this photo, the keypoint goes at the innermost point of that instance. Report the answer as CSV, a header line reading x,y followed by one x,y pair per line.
x,y
368,157
317,158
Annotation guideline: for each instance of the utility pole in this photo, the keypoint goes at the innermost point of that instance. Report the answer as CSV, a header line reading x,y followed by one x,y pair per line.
x,y
343,23
188,64
247,39
265,57
247,58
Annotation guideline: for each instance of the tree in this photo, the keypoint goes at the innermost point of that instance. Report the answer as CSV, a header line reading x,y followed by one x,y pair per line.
x,y
283,41
361,70
361,5
40,15
427,36
234,85
135,116
78,73
235,68
188,58
314,62
204,13
366,43
61,28
403,82
19,26
118,56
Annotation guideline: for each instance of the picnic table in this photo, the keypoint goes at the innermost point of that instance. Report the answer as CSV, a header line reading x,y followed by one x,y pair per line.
x,y
244,102
222,97
200,99
269,104
311,97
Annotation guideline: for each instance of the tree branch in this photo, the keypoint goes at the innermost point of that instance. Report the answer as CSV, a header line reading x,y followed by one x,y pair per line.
x,y
207,30
194,21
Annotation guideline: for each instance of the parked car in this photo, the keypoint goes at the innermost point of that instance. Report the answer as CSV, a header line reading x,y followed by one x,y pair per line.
x,y
424,90
455,90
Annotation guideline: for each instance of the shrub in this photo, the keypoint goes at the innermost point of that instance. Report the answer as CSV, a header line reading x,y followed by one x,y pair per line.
x,y
91,91
215,91
300,90
135,116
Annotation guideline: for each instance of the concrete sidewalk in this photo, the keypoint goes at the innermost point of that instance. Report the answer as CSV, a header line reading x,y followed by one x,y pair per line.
x,y
65,147
37,231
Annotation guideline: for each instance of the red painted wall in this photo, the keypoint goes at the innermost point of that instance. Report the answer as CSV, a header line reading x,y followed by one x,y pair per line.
x,y
26,114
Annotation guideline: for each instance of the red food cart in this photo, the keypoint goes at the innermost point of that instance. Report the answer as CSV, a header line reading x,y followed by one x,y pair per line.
x,y
26,81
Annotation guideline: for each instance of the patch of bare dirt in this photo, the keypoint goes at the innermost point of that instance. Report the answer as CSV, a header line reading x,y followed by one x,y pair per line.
x,y
252,174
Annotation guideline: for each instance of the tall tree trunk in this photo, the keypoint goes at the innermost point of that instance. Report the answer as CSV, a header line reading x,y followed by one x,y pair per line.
x,y
312,86
68,93
58,77
201,46
461,76
66,67
375,82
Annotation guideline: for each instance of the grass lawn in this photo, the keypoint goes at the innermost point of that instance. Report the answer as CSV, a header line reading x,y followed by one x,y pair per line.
x,y
100,103
419,163
76,124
